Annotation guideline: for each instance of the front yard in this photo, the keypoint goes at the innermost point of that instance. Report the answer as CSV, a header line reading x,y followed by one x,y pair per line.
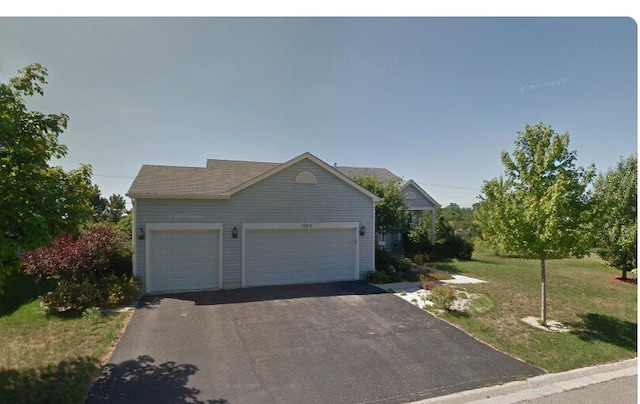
x,y
56,357
51,358
582,294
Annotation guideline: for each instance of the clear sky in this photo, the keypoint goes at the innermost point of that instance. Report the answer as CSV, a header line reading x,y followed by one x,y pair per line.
x,y
432,99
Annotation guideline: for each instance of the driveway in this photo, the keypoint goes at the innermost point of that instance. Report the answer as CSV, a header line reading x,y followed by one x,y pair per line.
x,y
340,342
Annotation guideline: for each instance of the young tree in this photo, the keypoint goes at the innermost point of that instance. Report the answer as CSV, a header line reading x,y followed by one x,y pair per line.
x,y
540,208
38,201
392,215
615,195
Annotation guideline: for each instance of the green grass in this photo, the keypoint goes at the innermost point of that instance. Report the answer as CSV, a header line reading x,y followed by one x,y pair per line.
x,y
580,293
46,358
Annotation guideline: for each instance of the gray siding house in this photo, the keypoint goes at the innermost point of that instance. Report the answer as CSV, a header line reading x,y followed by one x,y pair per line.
x,y
237,224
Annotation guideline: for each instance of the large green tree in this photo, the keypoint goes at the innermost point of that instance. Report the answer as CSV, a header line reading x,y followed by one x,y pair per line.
x,y
540,208
38,201
392,215
615,194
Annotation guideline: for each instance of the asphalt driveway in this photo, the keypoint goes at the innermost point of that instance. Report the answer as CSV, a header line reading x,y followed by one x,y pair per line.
x,y
341,342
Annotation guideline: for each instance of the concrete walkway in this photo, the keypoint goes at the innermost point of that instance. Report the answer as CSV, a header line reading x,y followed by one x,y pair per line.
x,y
542,386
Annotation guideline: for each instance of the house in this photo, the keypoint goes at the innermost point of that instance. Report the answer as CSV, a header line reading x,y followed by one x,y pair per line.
x,y
416,198
238,224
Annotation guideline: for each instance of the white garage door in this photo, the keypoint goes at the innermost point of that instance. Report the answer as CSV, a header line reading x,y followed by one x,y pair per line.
x,y
183,260
287,256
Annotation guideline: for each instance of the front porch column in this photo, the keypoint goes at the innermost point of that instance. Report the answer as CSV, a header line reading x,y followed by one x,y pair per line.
x,y
433,226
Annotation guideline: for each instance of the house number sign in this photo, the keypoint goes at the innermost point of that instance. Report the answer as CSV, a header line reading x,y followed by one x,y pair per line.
x,y
184,216
306,225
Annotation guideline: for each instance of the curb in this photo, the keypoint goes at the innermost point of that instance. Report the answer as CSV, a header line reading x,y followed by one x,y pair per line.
x,y
541,386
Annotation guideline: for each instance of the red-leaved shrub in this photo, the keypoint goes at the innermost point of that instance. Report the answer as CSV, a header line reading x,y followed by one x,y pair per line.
x,y
99,252
92,270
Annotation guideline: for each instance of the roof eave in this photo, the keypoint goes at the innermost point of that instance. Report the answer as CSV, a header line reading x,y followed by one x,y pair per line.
x,y
175,196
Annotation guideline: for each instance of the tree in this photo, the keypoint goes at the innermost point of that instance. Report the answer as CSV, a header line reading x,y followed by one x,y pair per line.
x,y
540,208
392,215
98,204
107,210
461,219
38,201
615,195
116,208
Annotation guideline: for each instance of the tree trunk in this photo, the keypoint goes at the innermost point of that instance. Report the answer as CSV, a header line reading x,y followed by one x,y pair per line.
x,y
543,303
624,273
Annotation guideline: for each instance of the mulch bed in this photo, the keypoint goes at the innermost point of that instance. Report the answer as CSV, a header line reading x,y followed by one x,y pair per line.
x,y
631,281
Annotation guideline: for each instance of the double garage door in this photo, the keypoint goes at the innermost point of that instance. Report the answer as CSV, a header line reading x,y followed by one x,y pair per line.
x,y
302,255
191,259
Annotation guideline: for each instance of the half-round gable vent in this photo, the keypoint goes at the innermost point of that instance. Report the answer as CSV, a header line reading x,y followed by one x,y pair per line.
x,y
410,195
305,177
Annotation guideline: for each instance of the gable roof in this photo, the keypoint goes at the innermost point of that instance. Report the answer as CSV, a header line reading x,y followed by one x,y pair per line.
x,y
220,179
405,184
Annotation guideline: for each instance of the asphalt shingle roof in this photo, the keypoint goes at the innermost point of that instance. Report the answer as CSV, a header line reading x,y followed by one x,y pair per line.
x,y
218,177
382,174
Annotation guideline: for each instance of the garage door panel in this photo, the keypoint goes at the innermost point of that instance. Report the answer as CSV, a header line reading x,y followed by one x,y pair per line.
x,y
299,256
184,260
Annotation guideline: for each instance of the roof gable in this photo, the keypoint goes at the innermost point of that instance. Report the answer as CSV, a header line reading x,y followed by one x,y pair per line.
x,y
411,186
304,156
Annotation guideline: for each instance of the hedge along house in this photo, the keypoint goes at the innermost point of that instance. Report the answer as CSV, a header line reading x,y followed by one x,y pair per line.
x,y
237,224
417,200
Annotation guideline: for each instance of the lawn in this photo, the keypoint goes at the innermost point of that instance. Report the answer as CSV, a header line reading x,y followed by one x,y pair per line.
x,y
50,358
581,293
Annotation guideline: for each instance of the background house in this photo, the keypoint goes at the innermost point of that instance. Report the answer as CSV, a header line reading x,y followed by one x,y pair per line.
x,y
417,199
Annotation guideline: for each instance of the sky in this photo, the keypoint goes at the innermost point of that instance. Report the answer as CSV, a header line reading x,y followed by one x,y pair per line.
x,y
432,99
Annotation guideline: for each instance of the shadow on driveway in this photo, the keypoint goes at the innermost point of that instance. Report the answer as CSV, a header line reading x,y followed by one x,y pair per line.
x,y
265,293
142,381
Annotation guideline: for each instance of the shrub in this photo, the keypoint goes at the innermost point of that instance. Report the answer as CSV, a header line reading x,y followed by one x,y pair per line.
x,y
97,253
427,282
401,263
377,277
448,244
110,291
420,258
92,270
383,260
122,290
70,295
443,297
458,247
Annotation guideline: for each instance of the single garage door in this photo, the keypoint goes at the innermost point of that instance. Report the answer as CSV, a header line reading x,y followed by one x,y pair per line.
x,y
183,260
287,256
